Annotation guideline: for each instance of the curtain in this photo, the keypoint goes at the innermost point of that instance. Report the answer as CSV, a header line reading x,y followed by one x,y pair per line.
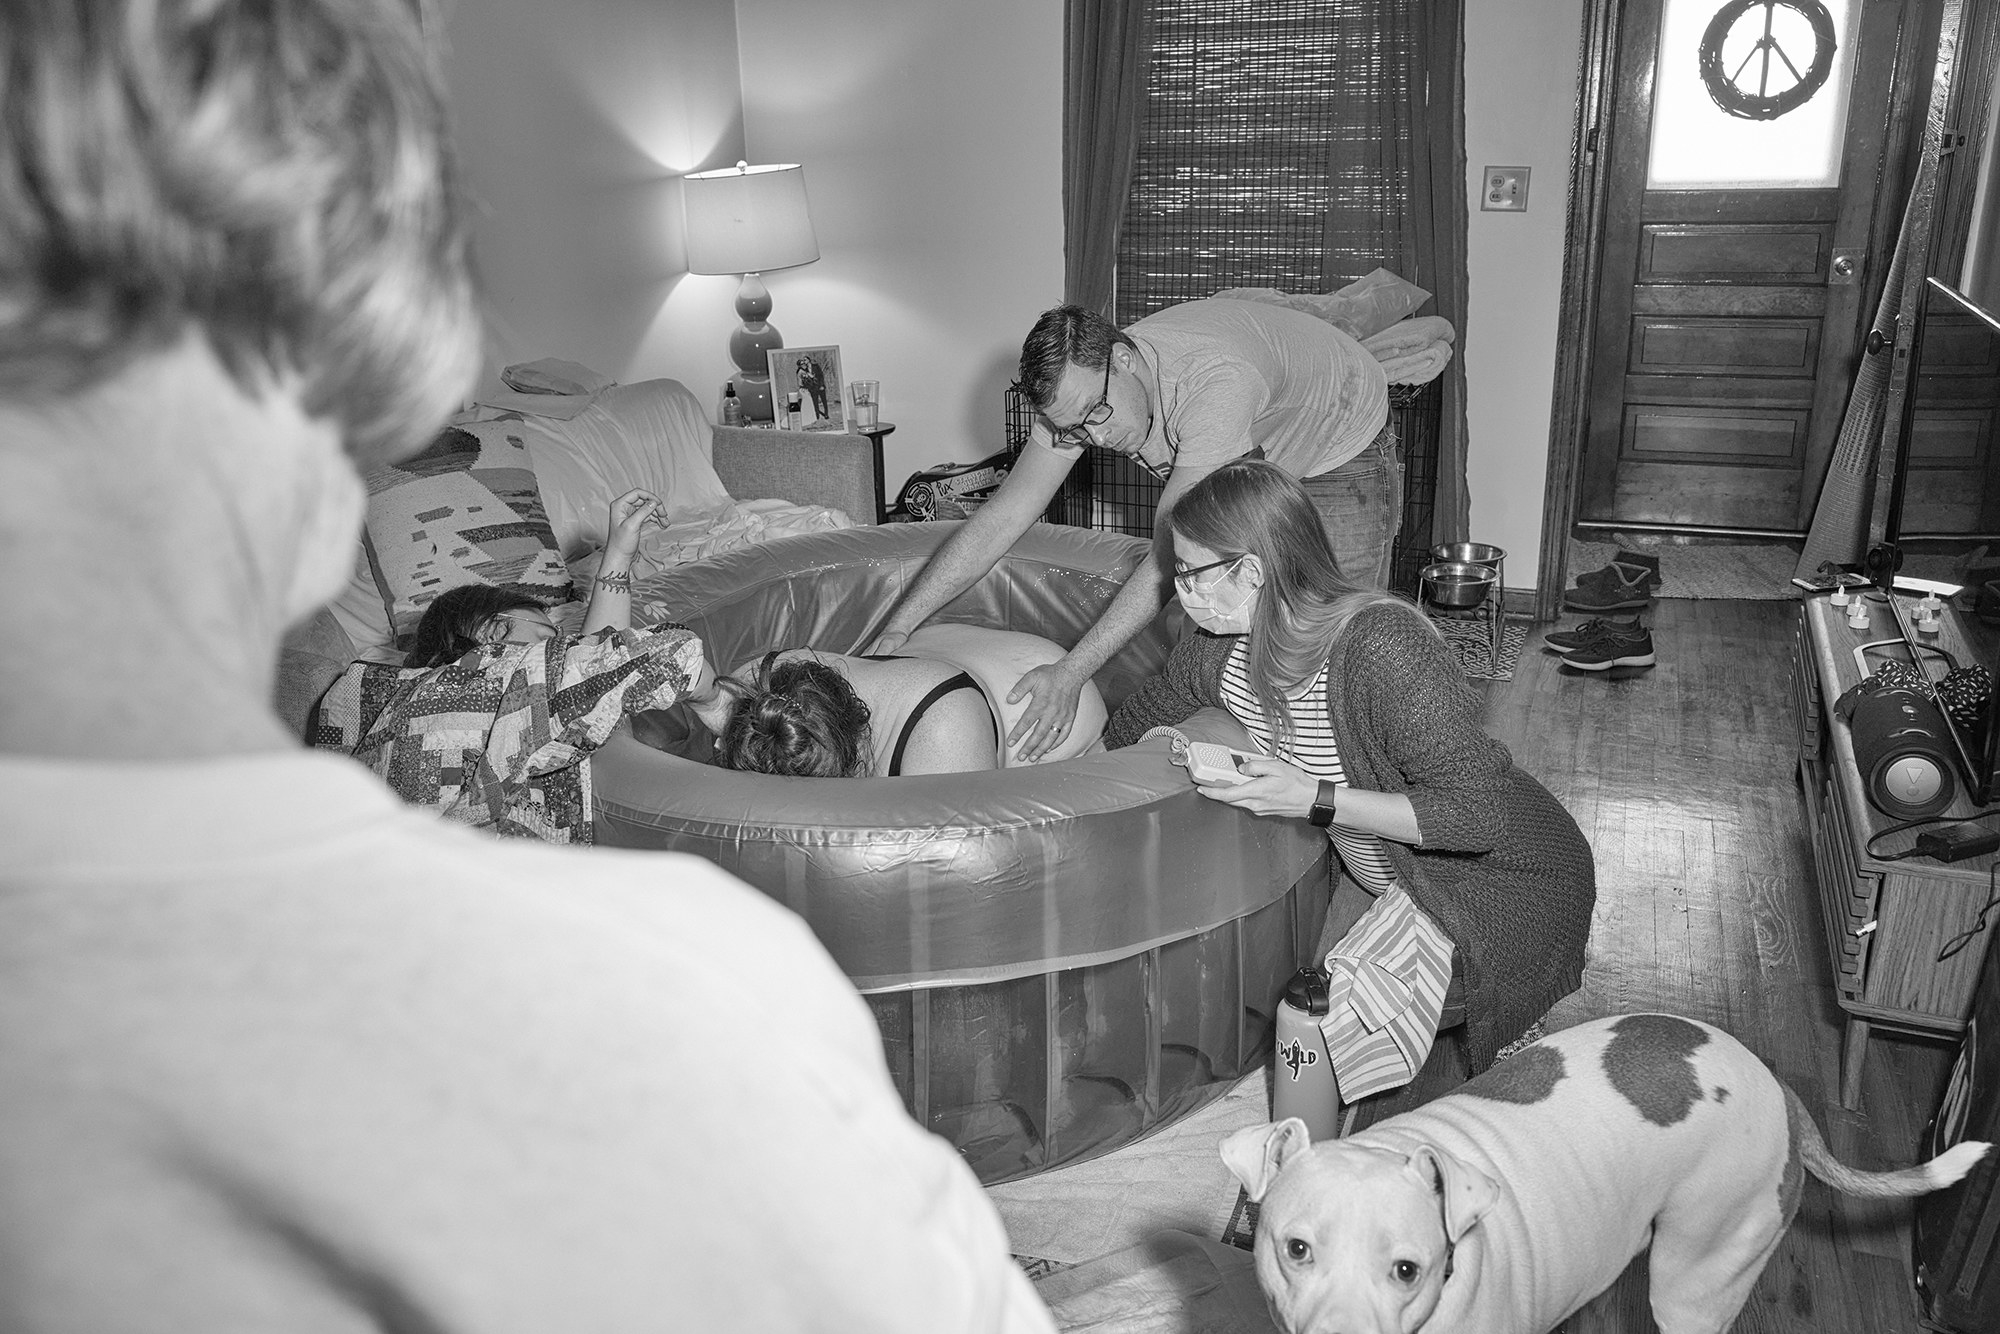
x,y
1435,234
1106,44
1398,169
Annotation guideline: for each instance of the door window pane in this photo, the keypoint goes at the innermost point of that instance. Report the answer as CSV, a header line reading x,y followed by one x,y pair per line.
x,y
1734,102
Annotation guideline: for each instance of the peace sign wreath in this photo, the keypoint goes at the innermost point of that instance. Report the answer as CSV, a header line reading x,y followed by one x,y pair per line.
x,y
1762,104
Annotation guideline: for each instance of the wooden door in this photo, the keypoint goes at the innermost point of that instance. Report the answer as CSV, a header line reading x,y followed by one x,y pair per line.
x,y
1729,318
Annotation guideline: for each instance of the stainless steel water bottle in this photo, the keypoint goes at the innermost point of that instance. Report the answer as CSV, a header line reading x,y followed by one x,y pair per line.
x,y
1302,1082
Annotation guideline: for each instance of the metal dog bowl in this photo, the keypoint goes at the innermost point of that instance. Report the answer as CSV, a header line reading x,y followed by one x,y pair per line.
x,y
1474,553
1458,585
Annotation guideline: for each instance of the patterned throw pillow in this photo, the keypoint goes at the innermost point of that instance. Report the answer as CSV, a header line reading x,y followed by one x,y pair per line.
x,y
464,511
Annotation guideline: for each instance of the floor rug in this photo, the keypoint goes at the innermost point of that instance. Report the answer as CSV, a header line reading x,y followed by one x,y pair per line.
x,y
1758,571
1473,642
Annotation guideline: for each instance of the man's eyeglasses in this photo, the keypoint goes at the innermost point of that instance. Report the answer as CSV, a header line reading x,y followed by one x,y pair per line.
x,y
1077,436
1185,578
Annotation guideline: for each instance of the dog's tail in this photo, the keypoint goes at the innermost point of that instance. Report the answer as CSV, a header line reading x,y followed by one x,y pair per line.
x,y
1941,1171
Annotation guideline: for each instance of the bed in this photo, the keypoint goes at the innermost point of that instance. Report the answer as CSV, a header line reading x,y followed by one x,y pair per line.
x,y
725,488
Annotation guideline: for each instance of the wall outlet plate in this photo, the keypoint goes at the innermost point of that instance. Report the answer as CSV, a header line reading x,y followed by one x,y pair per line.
x,y
1503,190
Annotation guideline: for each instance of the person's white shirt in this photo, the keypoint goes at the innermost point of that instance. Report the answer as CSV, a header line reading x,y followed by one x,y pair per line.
x,y
277,1052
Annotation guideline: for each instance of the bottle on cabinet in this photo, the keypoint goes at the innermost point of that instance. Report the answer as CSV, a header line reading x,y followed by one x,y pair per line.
x,y
794,410
732,406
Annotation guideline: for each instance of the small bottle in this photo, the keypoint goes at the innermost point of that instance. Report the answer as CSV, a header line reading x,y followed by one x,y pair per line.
x,y
1302,1082
732,406
794,410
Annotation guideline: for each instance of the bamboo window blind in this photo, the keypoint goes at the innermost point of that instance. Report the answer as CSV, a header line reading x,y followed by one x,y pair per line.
x,y
1271,153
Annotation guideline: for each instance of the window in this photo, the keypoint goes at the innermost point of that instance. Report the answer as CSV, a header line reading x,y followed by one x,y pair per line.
x,y
1269,156
1751,93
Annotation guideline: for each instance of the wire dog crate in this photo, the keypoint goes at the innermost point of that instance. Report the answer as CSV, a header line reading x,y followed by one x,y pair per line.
x,y
1111,493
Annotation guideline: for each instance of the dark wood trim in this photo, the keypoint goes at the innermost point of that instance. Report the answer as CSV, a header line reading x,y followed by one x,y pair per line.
x,y
1934,172
1588,178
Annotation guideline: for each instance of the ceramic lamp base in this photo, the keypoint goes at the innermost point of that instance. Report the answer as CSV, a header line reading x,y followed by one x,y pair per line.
x,y
750,346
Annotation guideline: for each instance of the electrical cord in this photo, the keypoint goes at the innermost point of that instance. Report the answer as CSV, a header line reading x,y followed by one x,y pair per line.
x,y
1904,828
1964,938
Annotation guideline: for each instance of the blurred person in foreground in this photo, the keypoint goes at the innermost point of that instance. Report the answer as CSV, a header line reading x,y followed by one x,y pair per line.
x,y
277,1052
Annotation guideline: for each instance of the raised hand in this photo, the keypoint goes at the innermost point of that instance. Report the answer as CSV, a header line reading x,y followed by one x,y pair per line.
x,y
628,517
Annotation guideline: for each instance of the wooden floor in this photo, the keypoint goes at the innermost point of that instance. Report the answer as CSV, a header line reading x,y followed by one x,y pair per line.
x,y
1683,779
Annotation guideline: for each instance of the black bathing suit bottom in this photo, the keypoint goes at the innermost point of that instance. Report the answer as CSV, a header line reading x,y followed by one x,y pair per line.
x,y
962,681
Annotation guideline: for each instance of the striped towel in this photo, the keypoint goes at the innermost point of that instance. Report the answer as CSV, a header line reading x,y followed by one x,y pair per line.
x,y
1389,976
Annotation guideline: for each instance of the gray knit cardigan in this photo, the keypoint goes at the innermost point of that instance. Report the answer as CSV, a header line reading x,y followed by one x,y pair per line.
x,y
1502,868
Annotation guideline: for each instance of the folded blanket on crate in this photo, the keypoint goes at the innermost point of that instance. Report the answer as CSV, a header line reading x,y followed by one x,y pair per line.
x,y
1375,311
1415,350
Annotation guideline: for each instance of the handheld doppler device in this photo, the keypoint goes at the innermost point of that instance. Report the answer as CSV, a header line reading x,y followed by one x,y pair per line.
x,y
1217,766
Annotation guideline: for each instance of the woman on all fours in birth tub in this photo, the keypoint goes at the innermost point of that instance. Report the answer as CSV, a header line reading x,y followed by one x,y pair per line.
x,y
939,706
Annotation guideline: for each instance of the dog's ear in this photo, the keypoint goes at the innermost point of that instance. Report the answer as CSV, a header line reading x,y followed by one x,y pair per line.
x,y
1256,1154
1466,1193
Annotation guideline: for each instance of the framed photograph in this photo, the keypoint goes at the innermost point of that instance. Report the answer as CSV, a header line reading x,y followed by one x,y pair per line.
x,y
813,373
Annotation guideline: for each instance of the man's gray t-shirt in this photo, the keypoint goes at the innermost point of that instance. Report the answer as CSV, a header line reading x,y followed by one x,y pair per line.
x,y
1234,375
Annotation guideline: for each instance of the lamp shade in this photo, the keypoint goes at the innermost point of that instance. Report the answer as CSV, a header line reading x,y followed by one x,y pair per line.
x,y
746,219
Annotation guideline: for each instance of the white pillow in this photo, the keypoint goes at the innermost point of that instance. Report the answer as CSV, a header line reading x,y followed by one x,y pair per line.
x,y
653,434
363,614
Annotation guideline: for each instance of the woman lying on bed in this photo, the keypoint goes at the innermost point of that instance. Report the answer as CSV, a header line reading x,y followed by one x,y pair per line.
x,y
938,706
489,719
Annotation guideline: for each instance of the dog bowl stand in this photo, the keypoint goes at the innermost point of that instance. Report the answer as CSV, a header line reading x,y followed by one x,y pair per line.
x,y
1491,609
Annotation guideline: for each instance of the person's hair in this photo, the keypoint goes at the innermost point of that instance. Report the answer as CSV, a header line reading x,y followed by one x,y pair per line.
x,y
451,624
1063,337
800,718
1250,507
272,175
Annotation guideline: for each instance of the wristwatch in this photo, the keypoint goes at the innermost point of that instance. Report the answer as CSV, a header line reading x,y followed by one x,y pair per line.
x,y
1322,808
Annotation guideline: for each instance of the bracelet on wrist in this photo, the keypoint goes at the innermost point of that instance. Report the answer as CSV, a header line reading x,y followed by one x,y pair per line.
x,y
1323,804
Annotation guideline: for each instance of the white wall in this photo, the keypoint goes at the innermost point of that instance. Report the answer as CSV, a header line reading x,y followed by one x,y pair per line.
x,y
1520,105
574,122
930,133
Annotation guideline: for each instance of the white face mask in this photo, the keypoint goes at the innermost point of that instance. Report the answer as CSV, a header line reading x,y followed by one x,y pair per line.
x,y
1215,615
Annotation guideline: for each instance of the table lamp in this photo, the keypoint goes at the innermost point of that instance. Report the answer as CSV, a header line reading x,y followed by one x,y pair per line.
x,y
749,220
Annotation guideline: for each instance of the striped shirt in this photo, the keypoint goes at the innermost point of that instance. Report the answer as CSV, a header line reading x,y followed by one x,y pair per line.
x,y
1390,971
1313,749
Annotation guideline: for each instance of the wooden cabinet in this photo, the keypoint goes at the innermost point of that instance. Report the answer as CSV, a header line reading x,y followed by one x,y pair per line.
x,y
1887,921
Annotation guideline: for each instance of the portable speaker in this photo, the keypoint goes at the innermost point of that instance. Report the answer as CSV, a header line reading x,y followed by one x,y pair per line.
x,y
1904,752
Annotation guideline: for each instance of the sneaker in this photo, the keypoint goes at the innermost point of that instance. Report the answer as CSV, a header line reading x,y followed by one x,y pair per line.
x,y
1631,560
1569,641
1623,589
1614,648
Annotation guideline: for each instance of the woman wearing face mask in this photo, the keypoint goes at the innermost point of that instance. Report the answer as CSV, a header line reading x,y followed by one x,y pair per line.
x,y
1371,732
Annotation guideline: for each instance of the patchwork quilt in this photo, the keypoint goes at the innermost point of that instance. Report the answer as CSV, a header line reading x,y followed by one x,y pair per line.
x,y
498,739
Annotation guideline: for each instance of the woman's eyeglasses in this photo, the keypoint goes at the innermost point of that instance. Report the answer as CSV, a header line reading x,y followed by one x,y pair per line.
x,y
1185,578
1078,436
